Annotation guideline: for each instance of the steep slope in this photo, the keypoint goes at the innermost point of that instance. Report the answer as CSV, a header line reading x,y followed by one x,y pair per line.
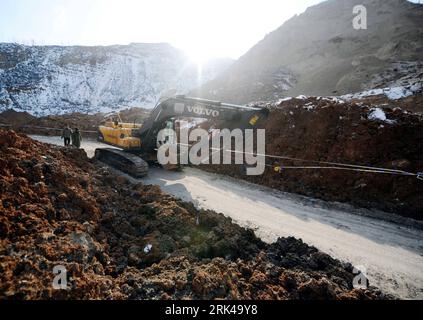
x,y
56,80
320,53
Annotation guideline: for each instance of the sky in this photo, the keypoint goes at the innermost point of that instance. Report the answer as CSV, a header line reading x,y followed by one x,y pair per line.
x,y
202,28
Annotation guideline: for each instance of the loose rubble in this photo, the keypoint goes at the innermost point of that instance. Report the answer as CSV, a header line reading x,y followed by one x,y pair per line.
x,y
118,240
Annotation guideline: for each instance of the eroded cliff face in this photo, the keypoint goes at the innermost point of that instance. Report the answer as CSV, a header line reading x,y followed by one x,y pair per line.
x,y
56,80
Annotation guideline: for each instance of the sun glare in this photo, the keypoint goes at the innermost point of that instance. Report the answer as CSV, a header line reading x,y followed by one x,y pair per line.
x,y
203,29
199,57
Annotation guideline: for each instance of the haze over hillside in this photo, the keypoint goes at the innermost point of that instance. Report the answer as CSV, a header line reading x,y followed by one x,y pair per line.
x,y
320,53
55,79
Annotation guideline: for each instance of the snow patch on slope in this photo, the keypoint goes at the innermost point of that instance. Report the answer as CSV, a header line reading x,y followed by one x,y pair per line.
x,y
377,114
393,93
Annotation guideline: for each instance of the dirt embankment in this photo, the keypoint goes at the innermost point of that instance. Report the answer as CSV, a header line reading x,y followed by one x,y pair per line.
x,y
123,241
329,130
413,103
53,125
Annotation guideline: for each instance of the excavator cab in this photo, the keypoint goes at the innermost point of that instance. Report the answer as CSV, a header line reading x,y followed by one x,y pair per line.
x,y
119,134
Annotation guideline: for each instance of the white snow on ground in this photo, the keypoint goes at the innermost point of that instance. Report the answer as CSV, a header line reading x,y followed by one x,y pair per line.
x,y
393,93
284,99
336,100
379,114
301,97
398,93
391,252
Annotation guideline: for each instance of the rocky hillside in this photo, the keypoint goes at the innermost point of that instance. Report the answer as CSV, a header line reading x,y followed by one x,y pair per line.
x,y
118,240
320,53
55,80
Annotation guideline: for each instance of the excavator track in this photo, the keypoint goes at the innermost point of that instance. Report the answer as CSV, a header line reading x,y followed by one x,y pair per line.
x,y
126,162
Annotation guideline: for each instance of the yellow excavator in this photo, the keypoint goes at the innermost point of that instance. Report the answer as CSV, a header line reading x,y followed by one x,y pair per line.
x,y
138,143
118,133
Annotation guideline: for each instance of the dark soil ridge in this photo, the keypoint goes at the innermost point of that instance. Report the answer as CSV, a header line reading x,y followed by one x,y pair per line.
x,y
118,240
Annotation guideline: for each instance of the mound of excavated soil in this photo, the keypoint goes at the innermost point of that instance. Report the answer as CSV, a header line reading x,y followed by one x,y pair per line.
x,y
53,125
14,118
330,130
413,103
123,241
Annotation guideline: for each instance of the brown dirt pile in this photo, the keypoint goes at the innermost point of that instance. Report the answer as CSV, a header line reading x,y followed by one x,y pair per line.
x,y
123,241
14,118
324,129
413,103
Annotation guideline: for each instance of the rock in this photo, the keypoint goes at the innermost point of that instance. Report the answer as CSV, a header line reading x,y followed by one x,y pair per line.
x,y
402,164
62,198
203,284
317,290
258,278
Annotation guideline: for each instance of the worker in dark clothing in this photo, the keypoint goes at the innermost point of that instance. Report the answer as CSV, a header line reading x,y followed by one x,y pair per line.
x,y
76,138
66,135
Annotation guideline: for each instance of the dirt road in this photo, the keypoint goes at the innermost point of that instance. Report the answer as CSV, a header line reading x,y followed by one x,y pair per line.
x,y
392,253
